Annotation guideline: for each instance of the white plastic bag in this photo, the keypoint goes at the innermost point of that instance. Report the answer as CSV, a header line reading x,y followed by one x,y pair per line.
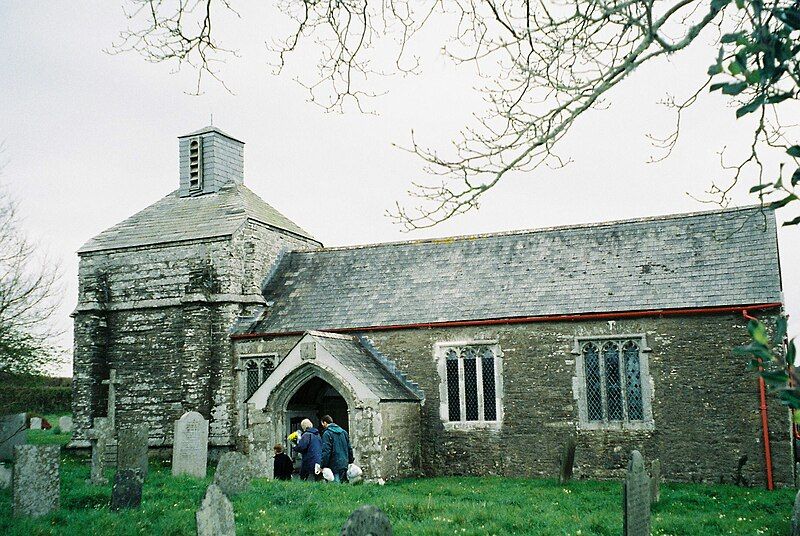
x,y
327,474
354,473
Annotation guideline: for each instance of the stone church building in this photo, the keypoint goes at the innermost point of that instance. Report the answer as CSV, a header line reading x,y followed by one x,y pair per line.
x,y
470,355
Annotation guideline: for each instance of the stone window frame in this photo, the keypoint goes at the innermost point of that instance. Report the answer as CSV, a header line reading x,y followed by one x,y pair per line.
x,y
258,360
579,383
440,357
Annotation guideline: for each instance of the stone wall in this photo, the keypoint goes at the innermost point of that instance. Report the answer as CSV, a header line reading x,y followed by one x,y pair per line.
x,y
705,404
160,315
400,439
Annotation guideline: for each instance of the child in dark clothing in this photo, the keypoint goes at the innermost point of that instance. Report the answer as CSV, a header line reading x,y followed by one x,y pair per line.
x,y
283,464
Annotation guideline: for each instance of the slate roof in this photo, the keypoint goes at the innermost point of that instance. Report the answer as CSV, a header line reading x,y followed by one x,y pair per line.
x,y
175,218
374,370
704,259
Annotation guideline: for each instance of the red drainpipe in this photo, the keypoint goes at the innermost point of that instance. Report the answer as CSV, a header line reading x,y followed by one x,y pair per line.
x,y
762,393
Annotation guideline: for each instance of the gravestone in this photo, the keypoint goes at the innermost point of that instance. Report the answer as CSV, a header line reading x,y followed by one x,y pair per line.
x,y
12,433
36,482
636,498
132,448
100,435
190,445
5,477
367,520
567,461
127,489
655,481
795,531
261,463
215,516
65,424
234,473
36,423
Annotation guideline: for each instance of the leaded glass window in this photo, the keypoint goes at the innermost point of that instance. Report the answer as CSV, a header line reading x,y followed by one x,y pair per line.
x,y
612,380
470,374
256,370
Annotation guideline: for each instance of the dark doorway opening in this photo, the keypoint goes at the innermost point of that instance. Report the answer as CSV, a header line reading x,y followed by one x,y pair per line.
x,y
314,399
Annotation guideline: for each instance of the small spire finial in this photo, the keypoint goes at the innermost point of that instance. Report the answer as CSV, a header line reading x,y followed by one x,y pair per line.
x,y
212,119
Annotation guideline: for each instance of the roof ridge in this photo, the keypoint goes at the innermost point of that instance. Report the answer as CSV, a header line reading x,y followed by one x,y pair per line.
x,y
453,238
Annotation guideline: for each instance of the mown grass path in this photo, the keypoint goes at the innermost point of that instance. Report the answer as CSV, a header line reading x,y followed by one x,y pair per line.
x,y
436,506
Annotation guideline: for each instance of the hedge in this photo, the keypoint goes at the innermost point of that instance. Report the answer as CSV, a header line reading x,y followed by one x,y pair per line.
x,y
35,399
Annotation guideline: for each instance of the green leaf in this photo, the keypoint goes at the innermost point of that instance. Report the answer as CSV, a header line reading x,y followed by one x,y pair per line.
x,y
775,377
751,107
758,332
796,177
753,77
759,187
780,203
796,416
775,99
734,88
740,4
758,350
780,330
731,37
795,221
790,353
735,67
790,397
794,151
718,85
717,5
714,69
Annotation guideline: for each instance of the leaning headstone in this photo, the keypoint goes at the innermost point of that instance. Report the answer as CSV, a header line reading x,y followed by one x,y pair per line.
x,y
215,516
367,520
36,423
234,473
36,481
5,477
132,448
12,433
796,516
190,445
655,481
65,424
567,461
636,498
127,489
99,436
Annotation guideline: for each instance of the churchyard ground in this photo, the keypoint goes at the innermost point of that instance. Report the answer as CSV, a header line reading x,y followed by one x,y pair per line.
x,y
454,505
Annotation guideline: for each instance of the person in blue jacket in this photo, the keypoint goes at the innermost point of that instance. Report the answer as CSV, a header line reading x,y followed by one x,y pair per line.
x,y
310,446
337,453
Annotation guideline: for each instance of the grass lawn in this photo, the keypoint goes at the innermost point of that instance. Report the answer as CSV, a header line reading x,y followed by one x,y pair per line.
x,y
466,505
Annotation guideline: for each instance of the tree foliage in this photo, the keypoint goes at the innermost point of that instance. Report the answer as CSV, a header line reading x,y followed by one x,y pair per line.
x,y
541,65
28,291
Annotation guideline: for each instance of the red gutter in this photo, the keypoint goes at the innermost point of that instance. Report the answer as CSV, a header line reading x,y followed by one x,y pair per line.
x,y
762,393
531,319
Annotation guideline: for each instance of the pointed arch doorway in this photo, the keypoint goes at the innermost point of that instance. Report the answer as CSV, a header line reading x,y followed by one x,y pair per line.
x,y
313,400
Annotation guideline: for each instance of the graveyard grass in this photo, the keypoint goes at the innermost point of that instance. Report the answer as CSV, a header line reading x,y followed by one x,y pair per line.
x,y
454,505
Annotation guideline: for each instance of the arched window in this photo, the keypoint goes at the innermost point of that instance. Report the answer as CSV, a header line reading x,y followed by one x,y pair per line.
x,y
610,392
470,373
251,372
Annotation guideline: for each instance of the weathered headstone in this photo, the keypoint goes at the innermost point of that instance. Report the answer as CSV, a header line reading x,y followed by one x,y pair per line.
x,y
234,473
65,424
12,433
367,520
636,498
796,516
127,489
215,516
5,477
99,435
655,481
190,445
567,461
36,423
36,481
132,448
260,462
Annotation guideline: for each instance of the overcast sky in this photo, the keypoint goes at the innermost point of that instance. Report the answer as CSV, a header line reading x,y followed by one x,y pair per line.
x,y
91,138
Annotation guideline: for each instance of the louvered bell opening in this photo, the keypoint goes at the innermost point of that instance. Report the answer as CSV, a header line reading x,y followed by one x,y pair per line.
x,y
195,164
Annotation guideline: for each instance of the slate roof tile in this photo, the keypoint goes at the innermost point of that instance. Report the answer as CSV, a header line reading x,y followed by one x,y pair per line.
x,y
705,259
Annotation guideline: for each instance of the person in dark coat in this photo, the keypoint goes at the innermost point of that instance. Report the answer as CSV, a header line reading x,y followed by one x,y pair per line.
x,y
310,446
283,465
337,453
